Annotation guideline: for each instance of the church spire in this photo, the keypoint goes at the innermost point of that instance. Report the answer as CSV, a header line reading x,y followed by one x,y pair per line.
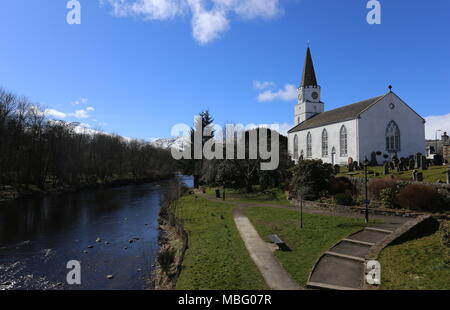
x,y
309,75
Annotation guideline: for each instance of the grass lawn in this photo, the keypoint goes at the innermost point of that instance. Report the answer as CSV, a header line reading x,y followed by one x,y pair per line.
x,y
269,196
418,264
319,233
217,257
432,175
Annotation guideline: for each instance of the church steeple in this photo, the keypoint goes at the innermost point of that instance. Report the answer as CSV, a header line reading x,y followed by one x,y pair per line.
x,y
309,75
309,103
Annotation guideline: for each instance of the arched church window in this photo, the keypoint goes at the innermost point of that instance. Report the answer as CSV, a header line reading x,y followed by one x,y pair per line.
x,y
324,143
343,142
295,147
392,137
309,145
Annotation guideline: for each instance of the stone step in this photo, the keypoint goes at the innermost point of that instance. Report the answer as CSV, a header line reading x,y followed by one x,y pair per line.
x,y
359,242
370,236
386,231
338,271
329,286
351,248
351,257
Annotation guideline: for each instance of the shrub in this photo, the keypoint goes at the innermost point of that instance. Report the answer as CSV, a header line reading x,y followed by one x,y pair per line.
x,y
344,199
420,197
310,178
445,229
165,259
376,185
388,197
341,185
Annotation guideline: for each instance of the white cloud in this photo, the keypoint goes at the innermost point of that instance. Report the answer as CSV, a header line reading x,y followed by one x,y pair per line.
x,y
263,85
54,113
207,25
439,122
80,114
210,18
80,101
288,93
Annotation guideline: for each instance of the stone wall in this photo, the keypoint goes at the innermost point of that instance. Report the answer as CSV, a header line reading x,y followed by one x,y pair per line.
x,y
360,210
446,152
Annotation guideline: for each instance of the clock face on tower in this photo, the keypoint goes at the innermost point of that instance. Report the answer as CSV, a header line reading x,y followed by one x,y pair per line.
x,y
315,95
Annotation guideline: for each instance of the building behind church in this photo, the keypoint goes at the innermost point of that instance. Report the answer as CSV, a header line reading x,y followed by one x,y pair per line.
x,y
383,124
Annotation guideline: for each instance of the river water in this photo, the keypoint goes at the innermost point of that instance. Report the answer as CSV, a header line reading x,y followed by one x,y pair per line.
x,y
39,236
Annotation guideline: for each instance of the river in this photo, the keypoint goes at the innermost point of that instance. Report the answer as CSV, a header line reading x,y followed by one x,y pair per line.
x,y
111,232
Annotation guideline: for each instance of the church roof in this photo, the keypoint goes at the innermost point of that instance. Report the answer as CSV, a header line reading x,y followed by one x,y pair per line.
x,y
309,75
338,115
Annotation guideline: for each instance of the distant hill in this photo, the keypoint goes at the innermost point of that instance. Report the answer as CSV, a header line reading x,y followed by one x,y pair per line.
x,y
166,143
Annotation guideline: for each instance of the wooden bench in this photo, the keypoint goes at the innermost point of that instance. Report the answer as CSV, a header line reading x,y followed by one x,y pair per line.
x,y
281,244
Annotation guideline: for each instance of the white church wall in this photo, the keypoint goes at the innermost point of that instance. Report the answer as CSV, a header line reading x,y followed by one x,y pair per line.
x,y
333,141
373,123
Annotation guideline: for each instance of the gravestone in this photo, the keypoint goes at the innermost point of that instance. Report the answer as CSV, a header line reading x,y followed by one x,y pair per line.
x,y
373,159
424,163
337,169
403,164
412,164
438,160
414,175
419,176
395,161
386,168
418,161
391,165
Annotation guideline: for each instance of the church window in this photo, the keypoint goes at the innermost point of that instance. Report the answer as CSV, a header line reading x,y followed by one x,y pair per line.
x,y
343,141
295,147
309,145
324,143
392,137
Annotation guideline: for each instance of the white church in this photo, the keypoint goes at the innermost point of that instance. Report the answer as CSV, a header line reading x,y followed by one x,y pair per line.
x,y
381,124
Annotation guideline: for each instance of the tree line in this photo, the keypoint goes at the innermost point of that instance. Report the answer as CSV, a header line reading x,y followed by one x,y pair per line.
x,y
36,150
237,173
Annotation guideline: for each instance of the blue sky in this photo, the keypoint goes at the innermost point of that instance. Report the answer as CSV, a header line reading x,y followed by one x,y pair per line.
x,y
138,67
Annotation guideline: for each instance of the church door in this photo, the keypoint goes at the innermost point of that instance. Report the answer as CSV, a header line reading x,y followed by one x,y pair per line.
x,y
333,156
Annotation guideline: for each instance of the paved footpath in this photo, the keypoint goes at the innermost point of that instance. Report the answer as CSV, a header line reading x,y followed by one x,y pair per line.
x,y
275,276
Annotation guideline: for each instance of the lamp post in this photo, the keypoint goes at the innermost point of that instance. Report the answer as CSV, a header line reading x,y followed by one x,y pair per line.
x,y
300,194
436,150
366,201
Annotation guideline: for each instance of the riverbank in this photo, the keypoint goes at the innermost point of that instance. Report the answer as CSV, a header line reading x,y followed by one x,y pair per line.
x,y
173,241
23,191
173,245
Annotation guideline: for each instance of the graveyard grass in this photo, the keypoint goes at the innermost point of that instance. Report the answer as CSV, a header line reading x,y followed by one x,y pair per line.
x,y
419,264
216,258
432,175
319,233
